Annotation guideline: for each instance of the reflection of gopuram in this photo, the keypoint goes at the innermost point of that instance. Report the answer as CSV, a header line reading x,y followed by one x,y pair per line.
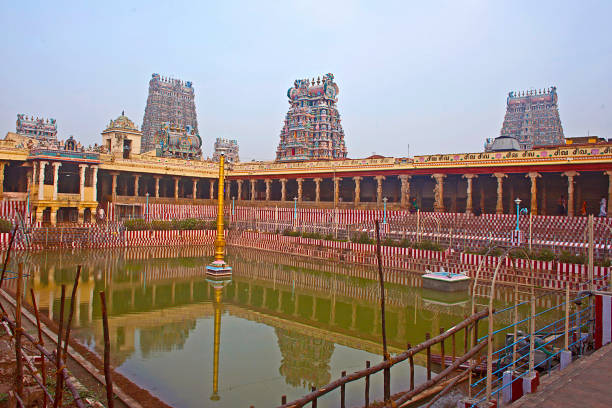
x,y
306,360
168,337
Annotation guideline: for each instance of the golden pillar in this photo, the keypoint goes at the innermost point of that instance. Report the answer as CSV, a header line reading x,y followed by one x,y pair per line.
x,y
220,240
218,266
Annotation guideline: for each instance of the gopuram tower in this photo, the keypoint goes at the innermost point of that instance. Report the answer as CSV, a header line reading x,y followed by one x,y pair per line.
x,y
532,118
169,100
312,129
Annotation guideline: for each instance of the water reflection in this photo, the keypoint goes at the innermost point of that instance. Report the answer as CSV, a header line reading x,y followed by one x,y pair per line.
x,y
301,319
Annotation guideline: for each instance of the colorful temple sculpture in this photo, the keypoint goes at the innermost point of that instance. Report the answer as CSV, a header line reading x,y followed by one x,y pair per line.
x,y
532,118
177,141
39,128
121,137
169,100
312,129
228,148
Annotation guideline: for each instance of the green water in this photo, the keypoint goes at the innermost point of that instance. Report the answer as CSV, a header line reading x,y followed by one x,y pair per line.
x,y
281,325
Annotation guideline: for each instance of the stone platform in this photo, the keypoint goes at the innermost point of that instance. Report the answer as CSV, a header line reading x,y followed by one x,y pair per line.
x,y
585,383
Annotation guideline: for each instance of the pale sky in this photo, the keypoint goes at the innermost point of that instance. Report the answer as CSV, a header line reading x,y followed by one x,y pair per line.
x,y
432,75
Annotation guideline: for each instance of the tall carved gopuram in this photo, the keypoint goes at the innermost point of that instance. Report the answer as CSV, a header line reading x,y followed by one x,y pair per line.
x,y
532,118
169,100
312,129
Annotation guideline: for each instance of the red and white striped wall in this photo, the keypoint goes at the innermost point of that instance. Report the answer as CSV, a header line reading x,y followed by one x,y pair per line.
x,y
603,320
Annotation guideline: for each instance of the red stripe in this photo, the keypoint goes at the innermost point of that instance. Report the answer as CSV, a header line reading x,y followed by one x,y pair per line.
x,y
598,321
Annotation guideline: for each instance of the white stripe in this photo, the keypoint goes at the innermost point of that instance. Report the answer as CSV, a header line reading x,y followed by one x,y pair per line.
x,y
606,317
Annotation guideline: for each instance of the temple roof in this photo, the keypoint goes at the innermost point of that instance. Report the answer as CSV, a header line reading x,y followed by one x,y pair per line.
x,y
122,122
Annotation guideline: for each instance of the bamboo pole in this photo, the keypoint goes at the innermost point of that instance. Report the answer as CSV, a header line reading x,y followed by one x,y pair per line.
x,y
515,328
454,382
567,314
58,367
42,343
367,387
51,358
427,337
72,305
429,383
18,330
343,393
107,371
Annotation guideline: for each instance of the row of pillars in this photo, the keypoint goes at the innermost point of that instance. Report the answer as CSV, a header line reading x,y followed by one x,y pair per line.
x,y
317,181
404,191
114,176
56,167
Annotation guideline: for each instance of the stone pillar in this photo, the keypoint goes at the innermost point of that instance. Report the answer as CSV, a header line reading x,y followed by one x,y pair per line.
x,y
82,168
533,176
239,190
543,197
227,190
194,188
268,181
253,182
39,213
468,202
53,216
439,192
570,191
156,186
212,189
41,180
283,189
405,190
81,215
318,189
94,183
300,181
2,165
357,180
56,166
482,197
379,189
499,206
609,209
136,184
114,186
337,189
176,188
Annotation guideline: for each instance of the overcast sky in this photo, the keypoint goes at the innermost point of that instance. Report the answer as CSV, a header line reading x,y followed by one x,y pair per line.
x,y
432,75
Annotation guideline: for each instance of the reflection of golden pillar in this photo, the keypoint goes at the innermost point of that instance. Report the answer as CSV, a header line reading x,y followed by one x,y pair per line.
x,y
217,307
